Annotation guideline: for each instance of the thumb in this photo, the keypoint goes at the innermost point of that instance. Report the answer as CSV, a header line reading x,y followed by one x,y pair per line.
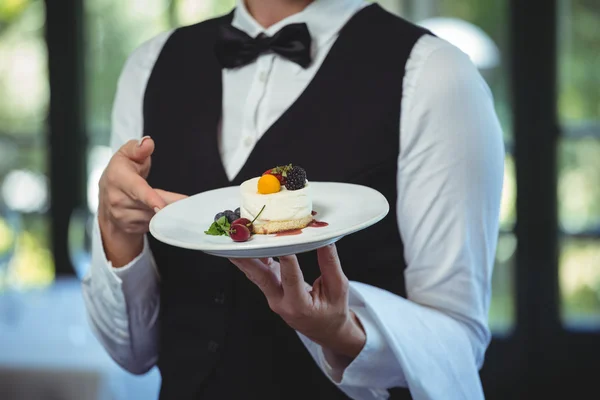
x,y
138,150
170,197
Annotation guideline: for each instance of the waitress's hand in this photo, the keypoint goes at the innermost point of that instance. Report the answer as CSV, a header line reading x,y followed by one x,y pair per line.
x,y
127,202
320,311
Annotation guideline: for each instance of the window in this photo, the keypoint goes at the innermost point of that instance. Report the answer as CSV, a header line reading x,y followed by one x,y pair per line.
x,y
25,259
114,29
579,163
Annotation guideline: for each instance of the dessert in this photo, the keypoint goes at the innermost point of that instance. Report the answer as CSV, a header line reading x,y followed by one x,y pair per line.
x,y
284,192
279,201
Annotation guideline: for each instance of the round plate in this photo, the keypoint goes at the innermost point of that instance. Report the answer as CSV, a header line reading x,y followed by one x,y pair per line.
x,y
347,208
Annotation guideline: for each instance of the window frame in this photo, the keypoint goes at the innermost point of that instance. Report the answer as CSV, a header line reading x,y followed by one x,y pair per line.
x,y
66,136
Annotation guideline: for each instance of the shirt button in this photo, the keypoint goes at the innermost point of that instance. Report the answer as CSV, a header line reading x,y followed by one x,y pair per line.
x,y
262,77
249,141
213,346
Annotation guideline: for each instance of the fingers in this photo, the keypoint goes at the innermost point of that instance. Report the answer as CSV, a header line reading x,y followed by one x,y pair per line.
x,y
170,197
317,288
292,279
138,150
133,221
139,190
124,176
334,279
263,276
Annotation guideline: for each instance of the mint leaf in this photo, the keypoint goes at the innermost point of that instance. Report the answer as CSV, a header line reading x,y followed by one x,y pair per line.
x,y
219,227
223,222
214,230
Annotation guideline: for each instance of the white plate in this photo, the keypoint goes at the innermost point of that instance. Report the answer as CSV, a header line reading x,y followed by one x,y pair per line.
x,y
347,208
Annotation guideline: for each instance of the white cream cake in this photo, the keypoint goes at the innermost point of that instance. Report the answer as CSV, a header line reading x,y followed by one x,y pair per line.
x,y
283,210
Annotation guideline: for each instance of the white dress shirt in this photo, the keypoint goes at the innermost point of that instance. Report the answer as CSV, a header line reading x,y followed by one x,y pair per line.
x,y
450,175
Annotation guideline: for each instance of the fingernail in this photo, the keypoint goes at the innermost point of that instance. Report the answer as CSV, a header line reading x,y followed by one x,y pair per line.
x,y
142,141
156,209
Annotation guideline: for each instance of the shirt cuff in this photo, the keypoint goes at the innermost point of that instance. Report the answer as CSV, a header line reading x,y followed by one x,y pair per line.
x,y
123,305
375,367
139,274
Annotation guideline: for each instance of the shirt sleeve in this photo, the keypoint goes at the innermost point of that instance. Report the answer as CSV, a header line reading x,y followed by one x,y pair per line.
x,y
450,177
122,303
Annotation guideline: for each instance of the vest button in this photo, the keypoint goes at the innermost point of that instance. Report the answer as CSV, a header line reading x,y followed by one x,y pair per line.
x,y
220,298
213,346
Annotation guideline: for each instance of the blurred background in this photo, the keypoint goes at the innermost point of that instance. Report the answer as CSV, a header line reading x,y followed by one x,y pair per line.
x,y
59,64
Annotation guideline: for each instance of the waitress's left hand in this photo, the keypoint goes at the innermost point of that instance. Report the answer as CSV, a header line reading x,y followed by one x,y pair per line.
x,y
320,311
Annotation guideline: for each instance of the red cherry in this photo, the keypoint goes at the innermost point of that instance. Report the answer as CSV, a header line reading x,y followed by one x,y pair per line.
x,y
239,233
242,221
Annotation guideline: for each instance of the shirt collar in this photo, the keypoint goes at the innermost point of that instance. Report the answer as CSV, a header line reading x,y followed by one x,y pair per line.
x,y
324,19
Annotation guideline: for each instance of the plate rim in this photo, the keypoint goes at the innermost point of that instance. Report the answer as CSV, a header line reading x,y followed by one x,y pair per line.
x,y
208,247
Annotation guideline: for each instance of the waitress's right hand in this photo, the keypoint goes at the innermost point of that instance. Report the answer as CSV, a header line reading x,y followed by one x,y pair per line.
x,y
127,202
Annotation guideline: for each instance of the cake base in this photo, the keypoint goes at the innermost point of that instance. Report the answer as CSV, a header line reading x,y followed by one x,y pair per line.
x,y
268,227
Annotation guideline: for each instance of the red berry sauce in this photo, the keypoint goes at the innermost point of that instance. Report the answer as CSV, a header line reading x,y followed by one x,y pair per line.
x,y
317,224
289,233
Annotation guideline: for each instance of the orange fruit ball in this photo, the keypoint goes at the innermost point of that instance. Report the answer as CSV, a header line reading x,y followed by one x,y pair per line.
x,y
268,184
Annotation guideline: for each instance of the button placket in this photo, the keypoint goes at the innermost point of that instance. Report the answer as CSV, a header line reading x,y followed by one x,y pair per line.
x,y
255,98
212,346
220,298
263,76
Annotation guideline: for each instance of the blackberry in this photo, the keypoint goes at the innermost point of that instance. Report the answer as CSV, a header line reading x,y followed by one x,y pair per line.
x,y
295,179
237,211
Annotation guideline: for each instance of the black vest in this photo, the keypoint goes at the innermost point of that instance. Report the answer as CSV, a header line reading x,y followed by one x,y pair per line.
x,y
218,337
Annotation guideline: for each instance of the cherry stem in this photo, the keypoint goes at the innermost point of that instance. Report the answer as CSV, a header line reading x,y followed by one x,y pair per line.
x,y
261,210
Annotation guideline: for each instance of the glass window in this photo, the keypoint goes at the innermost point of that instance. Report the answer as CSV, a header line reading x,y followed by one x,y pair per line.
x,y
579,96
579,163
25,258
508,213
114,29
502,307
580,283
579,185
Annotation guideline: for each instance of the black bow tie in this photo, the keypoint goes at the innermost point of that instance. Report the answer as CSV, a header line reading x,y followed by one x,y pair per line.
x,y
235,48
